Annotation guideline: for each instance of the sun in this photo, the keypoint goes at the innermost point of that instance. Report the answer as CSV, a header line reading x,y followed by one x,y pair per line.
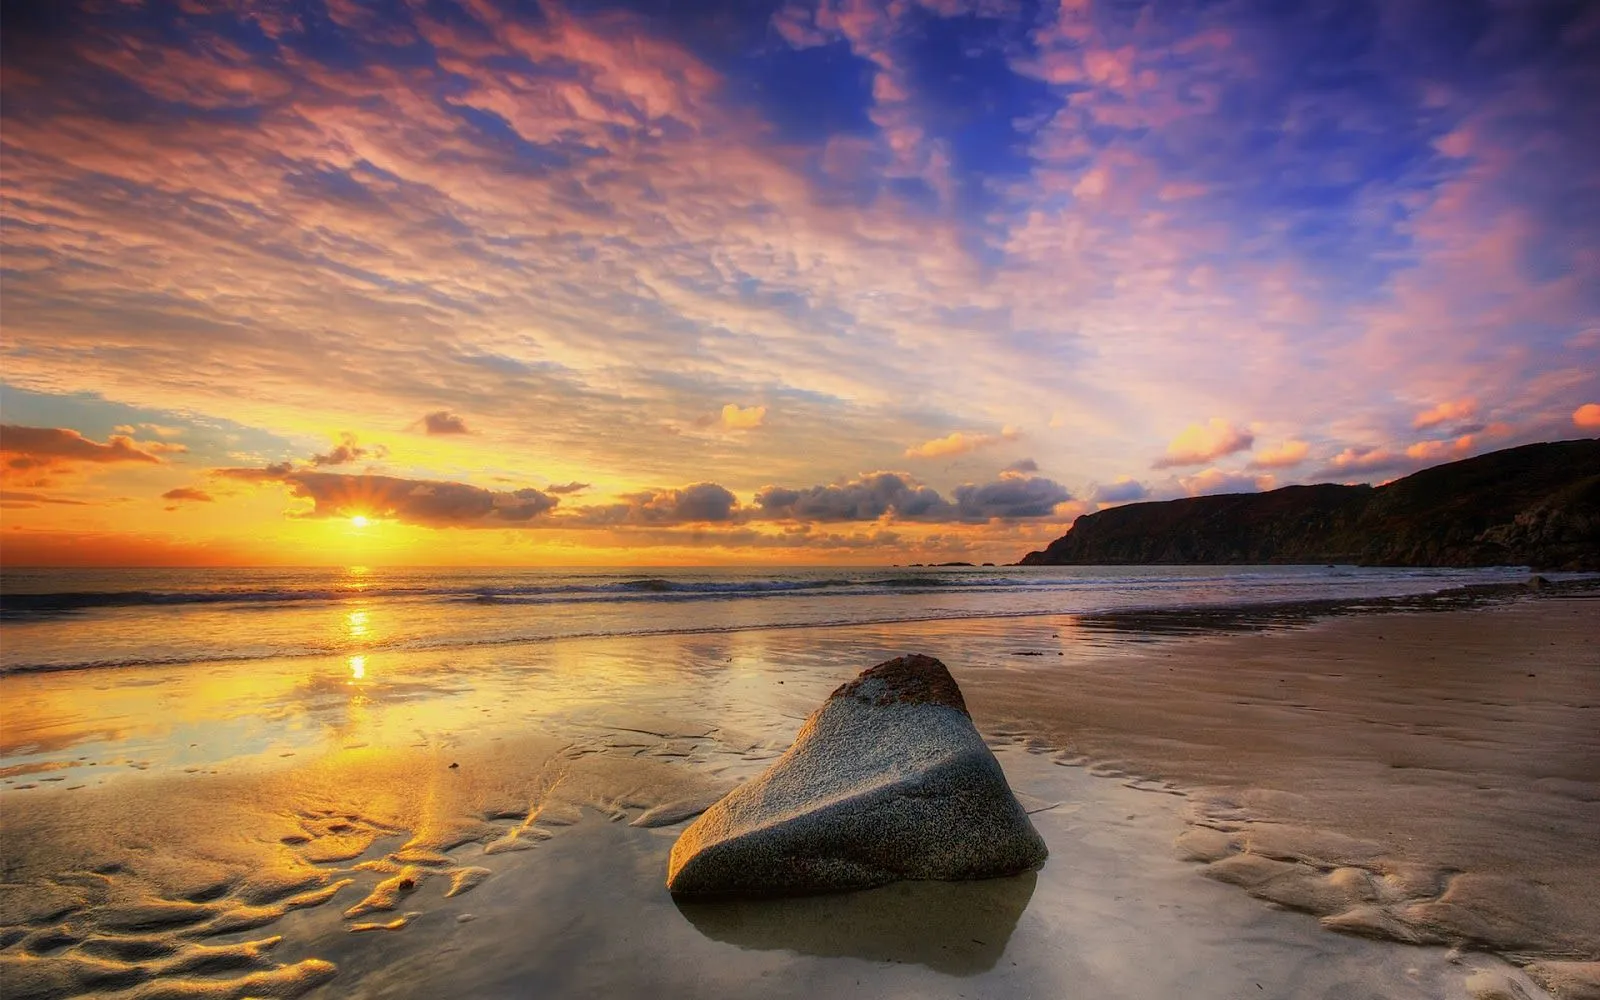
x,y
360,521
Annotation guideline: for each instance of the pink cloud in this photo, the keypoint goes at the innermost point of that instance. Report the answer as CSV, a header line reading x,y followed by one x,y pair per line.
x,y
1441,451
1446,412
960,443
1362,459
217,75
1455,318
1201,443
1126,309
1109,68
1287,454
795,25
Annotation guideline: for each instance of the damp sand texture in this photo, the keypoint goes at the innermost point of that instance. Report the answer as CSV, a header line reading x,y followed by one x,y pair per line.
x,y
523,840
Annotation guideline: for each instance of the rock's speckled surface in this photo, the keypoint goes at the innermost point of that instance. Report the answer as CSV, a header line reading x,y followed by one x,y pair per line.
x,y
887,780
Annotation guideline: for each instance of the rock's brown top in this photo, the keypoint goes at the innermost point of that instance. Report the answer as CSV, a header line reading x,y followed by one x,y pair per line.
x,y
906,680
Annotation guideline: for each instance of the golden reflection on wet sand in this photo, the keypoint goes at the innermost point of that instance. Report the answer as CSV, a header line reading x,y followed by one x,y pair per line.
x,y
436,769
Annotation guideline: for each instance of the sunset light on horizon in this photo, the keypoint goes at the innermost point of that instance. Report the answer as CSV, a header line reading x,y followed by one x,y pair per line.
x,y
460,282
799,498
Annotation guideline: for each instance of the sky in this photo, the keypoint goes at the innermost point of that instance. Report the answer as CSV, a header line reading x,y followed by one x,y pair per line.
x,y
653,283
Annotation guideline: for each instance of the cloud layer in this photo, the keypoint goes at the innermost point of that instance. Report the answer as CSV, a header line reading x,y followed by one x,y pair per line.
x,y
444,422
748,245
1201,443
43,447
430,503
1014,495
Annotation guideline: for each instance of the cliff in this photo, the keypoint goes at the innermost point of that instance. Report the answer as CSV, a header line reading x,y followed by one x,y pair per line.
x,y
1537,505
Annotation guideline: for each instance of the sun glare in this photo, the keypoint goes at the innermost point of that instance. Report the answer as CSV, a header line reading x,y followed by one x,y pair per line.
x,y
359,521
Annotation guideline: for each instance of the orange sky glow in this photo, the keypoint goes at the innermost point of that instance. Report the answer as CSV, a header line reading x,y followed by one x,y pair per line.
x,y
463,284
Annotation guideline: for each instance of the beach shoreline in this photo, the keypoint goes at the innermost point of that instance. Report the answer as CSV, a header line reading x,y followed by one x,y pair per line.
x,y
1430,809
205,853
53,616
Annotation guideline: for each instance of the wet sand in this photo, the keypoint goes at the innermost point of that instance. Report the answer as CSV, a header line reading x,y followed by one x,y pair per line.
x,y
1458,753
498,824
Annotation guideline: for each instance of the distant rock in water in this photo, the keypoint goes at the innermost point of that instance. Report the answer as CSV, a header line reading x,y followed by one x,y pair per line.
x,y
887,780
1537,505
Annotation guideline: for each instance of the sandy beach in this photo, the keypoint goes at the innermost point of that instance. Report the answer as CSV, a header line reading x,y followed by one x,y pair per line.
x,y
496,822
492,492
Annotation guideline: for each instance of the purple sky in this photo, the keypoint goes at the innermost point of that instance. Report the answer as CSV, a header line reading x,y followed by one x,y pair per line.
x,y
862,281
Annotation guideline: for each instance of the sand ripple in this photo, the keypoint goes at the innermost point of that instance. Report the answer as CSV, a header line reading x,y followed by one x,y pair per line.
x,y
92,908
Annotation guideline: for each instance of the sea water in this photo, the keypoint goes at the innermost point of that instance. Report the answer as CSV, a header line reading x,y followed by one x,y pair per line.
x,y
77,619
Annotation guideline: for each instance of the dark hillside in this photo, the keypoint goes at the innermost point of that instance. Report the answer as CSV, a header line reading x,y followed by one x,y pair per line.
x,y
1537,505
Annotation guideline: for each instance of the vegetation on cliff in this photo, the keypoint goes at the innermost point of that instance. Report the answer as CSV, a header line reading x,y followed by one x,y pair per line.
x,y
1537,505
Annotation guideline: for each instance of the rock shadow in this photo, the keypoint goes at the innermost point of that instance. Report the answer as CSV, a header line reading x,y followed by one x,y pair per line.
x,y
957,928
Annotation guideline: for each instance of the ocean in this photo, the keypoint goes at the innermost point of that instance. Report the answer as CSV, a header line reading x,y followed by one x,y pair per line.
x,y
85,619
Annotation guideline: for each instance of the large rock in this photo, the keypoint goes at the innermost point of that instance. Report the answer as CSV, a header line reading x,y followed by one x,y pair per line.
x,y
887,780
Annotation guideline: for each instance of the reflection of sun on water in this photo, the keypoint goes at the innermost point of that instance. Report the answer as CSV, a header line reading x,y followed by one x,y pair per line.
x,y
358,630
